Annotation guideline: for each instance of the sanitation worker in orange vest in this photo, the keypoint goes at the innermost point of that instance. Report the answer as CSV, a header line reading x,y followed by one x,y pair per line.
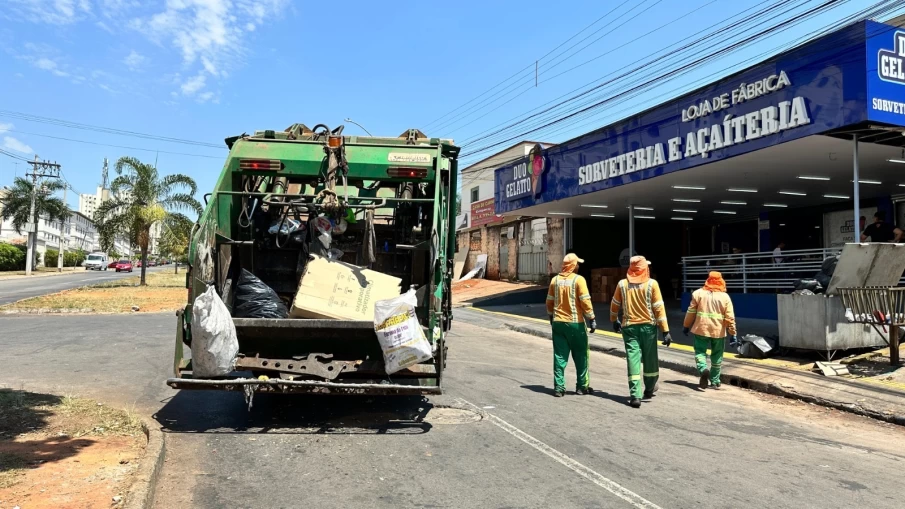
x,y
638,298
709,317
569,305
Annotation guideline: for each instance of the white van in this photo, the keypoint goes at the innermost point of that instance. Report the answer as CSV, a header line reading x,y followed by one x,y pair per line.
x,y
96,261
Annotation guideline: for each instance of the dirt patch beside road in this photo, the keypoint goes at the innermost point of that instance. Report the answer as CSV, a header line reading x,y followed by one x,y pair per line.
x,y
164,292
65,452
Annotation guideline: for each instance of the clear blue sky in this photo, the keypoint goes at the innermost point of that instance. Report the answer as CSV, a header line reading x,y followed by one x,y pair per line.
x,y
204,70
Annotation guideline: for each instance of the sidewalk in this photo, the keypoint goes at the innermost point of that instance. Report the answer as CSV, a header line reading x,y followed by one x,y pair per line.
x,y
879,399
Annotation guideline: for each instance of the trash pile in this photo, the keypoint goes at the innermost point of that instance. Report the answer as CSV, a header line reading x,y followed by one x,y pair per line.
x,y
756,347
820,282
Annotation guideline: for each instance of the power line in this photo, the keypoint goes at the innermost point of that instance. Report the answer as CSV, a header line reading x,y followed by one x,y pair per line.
x,y
113,146
880,8
522,71
658,77
14,156
108,130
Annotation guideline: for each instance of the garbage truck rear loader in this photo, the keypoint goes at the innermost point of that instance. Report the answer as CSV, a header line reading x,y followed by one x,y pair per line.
x,y
307,211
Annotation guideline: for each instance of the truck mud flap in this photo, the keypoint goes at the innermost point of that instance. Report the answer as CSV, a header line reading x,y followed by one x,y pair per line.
x,y
250,385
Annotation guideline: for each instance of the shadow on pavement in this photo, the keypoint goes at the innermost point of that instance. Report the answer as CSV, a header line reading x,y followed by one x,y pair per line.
x,y
543,389
227,412
684,383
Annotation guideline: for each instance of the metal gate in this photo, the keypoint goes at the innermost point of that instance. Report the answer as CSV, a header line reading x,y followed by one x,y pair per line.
x,y
532,251
504,258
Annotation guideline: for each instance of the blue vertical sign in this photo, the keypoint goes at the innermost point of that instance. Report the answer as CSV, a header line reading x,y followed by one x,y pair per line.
x,y
885,73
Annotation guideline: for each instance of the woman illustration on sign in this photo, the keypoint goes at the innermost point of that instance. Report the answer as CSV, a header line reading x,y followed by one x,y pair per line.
x,y
537,167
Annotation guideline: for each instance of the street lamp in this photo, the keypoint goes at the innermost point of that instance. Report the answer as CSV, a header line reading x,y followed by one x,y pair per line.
x,y
359,125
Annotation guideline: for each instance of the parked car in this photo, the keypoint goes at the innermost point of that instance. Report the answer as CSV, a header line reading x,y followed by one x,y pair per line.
x,y
112,265
96,261
123,266
152,263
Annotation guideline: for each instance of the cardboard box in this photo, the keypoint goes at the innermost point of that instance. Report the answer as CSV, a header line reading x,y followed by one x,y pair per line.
x,y
332,289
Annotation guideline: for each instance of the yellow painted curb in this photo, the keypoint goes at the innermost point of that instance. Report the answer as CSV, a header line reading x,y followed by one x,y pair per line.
x,y
675,346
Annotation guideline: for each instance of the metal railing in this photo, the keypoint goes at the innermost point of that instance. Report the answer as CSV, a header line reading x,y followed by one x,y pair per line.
x,y
756,271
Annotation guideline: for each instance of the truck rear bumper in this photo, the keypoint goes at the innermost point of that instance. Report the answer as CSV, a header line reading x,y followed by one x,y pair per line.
x,y
301,386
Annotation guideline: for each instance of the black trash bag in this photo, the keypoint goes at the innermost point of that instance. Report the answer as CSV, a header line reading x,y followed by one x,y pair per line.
x,y
254,299
809,284
823,279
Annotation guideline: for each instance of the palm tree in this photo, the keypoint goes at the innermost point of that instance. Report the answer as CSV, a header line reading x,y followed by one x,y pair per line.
x,y
174,242
141,198
16,204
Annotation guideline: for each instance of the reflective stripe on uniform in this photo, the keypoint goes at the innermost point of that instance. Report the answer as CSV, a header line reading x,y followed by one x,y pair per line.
x,y
572,302
634,377
717,316
656,373
649,295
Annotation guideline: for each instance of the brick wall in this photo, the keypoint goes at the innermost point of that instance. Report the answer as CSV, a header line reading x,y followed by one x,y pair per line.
x,y
513,254
492,235
554,245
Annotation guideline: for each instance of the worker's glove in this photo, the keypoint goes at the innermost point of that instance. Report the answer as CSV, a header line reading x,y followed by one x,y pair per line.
x,y
593,326
617,327
667,340
685,331
551,319
733,341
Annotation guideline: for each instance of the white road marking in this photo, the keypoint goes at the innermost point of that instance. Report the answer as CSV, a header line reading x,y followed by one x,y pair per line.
x,y
625,494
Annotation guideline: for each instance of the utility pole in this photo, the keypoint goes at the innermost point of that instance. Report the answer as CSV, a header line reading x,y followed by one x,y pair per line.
x,y
63,233
38,169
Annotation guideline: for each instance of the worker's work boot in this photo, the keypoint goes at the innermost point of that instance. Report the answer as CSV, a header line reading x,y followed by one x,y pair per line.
x,y
716,386
559,393
584,391
635,403
705,379
650,394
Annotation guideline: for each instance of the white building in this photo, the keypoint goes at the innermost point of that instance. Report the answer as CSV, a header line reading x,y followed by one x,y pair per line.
x,y
88,203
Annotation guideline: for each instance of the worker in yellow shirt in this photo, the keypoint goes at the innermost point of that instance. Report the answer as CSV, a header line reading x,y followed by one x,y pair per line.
x,y
569,305
710,317
639,300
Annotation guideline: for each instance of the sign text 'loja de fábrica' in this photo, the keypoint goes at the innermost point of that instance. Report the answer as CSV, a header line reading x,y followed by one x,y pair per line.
x,y
732,130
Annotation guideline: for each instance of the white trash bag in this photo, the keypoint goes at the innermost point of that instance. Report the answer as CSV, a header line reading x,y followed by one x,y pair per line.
x,y
399,333
214,342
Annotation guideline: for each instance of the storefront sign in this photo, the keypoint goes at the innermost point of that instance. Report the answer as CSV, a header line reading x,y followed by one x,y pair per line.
x,y
886,83
824,85
527,175
482,213
733,130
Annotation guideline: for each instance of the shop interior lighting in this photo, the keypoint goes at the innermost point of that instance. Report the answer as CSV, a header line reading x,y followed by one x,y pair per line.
x,y
793,193
874,182
645,217
691,188
644,208
782,224
901,185
817,227
559,213
741,190
682,218
839,196
687,200
730,202
685,211
900,161
776,205
592,206
727,212
811,177
603,215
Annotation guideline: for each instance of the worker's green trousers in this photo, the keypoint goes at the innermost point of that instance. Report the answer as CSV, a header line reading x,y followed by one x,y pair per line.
x,y
570,337
716,347
641,349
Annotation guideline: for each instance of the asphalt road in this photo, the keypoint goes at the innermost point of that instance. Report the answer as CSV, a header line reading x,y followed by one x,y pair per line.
x,y
15,289
497,438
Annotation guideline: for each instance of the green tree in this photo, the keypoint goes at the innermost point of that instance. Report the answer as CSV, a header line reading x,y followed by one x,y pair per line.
x,y
174,242
141,198
17,202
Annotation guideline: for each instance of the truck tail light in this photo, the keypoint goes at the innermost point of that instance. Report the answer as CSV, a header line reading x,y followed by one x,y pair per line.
x,y
407,173
260,164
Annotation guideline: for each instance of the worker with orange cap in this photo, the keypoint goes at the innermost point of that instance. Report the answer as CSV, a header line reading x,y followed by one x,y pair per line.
x,y
709,317
639,300
569,305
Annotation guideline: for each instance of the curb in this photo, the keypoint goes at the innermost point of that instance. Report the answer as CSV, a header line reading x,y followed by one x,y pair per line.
x,y
738,381
141,494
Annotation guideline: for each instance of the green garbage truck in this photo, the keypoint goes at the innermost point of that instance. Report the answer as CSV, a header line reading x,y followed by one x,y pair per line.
x,y
375,209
